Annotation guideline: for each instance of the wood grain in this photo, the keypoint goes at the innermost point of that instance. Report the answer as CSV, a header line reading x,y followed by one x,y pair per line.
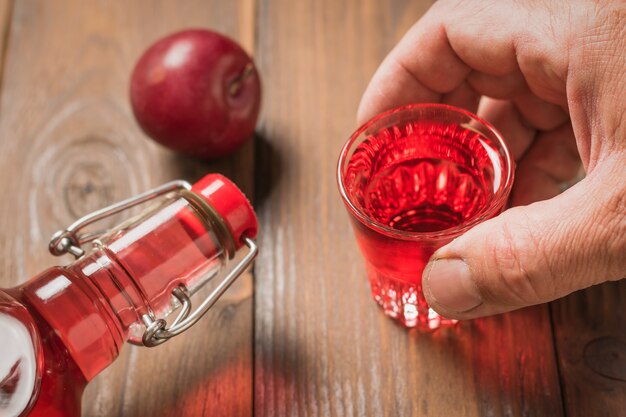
x,y
590,334
322,347
69,144
311,342
6,7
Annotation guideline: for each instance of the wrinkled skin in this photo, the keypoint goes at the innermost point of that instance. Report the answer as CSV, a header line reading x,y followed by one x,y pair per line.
x,y
551,76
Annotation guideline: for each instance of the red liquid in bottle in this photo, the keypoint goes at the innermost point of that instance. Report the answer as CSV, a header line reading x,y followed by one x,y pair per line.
x,y
68,323
423,178
84,313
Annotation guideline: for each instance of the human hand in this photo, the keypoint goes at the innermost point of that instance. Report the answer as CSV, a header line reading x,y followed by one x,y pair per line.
x,y
551,76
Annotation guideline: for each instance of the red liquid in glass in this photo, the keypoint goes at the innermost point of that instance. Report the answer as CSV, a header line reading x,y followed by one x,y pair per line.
x,y
423,178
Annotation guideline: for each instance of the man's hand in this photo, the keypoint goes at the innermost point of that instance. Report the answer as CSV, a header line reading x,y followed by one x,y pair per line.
x,y
551,76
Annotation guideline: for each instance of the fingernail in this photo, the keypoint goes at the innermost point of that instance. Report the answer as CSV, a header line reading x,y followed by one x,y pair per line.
x,y
451,286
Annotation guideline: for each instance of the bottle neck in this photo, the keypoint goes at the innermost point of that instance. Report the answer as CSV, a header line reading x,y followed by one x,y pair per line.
x,y
80,316
97,303
120,298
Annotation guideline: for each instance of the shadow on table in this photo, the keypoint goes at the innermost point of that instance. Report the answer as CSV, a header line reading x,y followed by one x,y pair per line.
x,y
268,167
213,374
256,168
509,359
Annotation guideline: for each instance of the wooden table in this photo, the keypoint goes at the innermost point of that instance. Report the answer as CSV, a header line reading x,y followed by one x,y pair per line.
x,y
299,335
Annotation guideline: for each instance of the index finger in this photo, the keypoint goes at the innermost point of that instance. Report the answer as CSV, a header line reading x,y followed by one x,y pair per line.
x,y
439,52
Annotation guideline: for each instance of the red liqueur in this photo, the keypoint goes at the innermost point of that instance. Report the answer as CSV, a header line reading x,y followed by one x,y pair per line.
x,y
67,324
413,179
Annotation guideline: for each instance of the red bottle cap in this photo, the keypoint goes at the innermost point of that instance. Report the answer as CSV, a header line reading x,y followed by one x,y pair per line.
x,y
231,204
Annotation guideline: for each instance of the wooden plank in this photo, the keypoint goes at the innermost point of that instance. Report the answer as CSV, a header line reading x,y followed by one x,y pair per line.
x,y
5,25
69,144
322,347
590,334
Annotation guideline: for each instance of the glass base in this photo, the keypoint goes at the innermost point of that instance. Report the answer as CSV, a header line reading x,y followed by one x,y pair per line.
x,y
404,302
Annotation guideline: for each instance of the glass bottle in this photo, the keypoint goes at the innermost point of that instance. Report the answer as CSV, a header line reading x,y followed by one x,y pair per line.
x,y
65,325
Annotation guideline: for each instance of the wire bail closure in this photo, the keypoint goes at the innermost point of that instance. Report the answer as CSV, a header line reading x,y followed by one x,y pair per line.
x,y
157,330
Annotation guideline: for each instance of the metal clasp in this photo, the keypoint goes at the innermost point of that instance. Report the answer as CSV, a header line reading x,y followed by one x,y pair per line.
x,y
69,240
157,330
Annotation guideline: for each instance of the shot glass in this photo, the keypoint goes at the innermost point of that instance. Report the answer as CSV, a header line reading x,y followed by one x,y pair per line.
x,y
413,179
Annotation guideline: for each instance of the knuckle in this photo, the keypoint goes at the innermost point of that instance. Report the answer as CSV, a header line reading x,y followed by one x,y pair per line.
x,y
615,232
515,267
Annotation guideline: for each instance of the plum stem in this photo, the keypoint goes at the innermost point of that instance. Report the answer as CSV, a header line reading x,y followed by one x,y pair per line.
x,y
235,86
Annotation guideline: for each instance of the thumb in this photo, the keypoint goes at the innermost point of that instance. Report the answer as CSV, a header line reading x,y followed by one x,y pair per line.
x,y
533,254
